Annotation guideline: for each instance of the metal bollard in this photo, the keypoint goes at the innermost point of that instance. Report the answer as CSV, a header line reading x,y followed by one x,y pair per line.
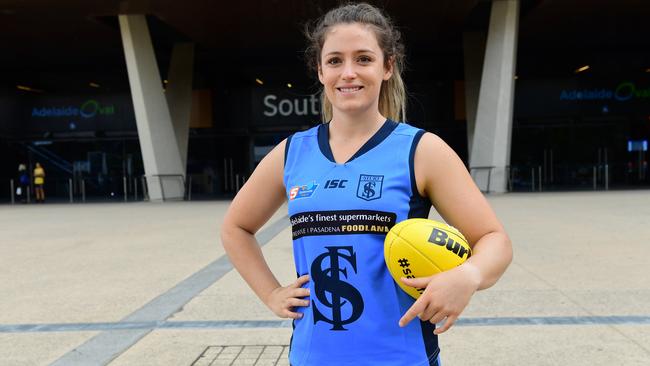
x,y
532,179
606,177
225,175
145,192
126,192
135,189
595,173
70,189
509,179
83,190
11,188
232,176
236,183
551,170
539,176
189,188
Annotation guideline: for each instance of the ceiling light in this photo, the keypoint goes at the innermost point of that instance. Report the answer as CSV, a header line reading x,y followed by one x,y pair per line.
x,y
259,81
289,85
165,81
94,85
583,68
26,88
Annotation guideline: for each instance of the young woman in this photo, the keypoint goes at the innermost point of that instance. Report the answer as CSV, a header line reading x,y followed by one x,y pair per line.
x,y
357,171
39,183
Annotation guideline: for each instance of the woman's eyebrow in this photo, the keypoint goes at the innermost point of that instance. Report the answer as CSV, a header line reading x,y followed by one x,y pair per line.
x,y
357,51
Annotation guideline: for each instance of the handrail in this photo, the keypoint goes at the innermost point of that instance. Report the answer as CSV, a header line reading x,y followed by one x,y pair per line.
x,y
51,157
162,190
471,172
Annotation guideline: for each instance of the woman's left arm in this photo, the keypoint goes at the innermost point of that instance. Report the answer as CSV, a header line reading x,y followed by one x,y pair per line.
x,y
443,178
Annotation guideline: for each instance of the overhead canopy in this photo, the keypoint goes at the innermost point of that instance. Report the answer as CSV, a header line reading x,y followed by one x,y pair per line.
x,y
79,36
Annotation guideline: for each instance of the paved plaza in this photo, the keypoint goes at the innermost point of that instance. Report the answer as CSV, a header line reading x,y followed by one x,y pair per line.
x,y
149,284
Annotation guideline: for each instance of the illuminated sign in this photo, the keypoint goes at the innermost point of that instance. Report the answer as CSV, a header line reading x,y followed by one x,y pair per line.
x,y
628,90
637,145
303,106
623,92
89,109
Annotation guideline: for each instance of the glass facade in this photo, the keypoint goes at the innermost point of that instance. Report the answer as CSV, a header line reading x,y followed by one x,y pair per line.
x,y
572,129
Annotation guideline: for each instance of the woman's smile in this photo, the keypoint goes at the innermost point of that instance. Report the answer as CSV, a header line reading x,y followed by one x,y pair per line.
x,y
349,89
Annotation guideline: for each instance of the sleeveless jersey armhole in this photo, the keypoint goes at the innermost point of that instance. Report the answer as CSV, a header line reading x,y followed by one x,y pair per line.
x,y
286,150
419,206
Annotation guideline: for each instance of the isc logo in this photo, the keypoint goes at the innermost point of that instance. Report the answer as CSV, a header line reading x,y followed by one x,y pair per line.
x,y
335,183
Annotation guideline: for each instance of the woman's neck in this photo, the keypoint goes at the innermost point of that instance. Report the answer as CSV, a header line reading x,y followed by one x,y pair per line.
x,y
345,127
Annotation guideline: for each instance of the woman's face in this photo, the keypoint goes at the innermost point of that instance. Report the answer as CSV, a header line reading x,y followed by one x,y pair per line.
x,y
352,68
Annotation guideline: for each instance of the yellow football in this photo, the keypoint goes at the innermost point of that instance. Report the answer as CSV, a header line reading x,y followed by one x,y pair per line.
x,y
421,248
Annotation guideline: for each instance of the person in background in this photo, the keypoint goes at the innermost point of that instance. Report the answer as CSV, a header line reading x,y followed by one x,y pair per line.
x,y
39,183
23,183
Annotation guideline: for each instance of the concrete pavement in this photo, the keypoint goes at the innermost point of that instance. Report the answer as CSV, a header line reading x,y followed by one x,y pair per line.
x,y
143,284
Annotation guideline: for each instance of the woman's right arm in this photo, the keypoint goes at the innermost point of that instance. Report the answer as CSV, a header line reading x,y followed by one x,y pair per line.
x,y
255,203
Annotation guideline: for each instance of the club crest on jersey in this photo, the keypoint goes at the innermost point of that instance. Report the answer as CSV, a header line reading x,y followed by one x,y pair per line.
x,y
369,187
303,191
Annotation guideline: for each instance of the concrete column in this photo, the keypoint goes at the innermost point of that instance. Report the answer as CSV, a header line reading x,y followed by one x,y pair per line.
x,y
160,154
179,95
493,131
473,52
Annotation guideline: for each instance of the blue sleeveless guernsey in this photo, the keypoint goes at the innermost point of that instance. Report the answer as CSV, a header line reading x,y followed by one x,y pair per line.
x,y
340,214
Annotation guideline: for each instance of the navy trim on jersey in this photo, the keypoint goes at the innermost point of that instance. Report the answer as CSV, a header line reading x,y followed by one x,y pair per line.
x,y
293,322
414,145
385,130
418,206
430,342
323,140
293,329
286,149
